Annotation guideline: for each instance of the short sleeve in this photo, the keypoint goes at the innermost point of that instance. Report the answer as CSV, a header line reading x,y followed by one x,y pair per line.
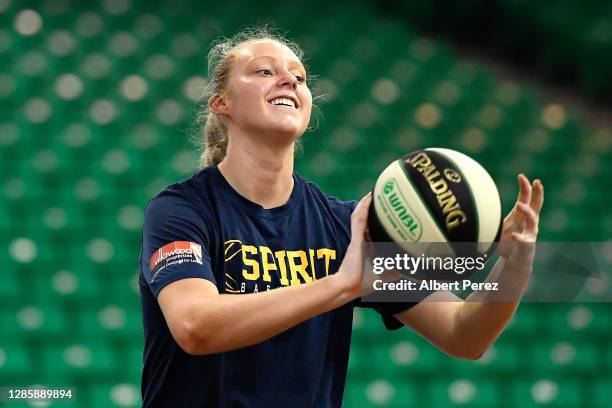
x,y
387,310
175,242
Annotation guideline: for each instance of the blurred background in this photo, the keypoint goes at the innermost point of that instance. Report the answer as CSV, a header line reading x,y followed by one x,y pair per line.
x,y
96,108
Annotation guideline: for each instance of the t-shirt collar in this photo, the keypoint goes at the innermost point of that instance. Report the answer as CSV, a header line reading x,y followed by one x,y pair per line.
x,y
255,208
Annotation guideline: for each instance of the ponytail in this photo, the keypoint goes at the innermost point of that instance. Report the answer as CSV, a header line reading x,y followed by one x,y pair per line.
x,y
215,139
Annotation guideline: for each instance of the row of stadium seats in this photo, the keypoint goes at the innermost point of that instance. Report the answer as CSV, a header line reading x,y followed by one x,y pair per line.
x,y
572,338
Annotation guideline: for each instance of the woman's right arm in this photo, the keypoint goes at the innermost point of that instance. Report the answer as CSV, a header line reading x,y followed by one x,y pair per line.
x,y
202,321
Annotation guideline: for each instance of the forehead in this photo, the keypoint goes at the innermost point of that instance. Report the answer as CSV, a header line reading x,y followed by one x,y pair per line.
x,y
270,48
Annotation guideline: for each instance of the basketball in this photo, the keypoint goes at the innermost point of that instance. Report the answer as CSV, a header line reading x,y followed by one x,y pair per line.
x,y
435,195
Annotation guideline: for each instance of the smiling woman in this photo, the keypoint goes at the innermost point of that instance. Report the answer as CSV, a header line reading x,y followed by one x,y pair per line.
x,y
243,266
250,273
262,54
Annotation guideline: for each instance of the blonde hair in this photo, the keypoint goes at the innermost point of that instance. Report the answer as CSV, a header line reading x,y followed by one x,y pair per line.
x,y
220,60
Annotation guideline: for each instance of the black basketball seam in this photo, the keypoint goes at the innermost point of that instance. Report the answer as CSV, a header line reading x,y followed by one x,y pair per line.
x,y
469,187
424,201
501,207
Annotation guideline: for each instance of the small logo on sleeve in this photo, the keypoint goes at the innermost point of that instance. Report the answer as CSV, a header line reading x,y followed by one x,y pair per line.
x,y
175,253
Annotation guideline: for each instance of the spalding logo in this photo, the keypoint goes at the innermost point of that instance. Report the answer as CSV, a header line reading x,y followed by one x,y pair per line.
x,y
454,215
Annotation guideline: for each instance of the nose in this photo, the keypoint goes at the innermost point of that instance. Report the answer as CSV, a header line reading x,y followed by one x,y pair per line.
x,y
287,79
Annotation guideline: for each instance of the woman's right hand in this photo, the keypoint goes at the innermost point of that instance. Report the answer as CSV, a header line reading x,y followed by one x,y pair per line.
x,y
351,270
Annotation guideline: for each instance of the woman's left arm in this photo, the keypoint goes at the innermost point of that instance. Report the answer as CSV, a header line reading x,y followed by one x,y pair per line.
x,y
467,328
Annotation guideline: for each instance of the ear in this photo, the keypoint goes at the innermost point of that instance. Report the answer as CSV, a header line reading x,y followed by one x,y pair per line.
x,y
217,105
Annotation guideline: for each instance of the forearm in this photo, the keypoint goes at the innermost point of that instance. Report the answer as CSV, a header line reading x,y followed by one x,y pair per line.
x,y
227,322
484,314
466,328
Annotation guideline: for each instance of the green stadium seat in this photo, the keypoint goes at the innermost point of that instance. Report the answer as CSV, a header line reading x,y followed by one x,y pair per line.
x,y
366,325
10,290
110,321
404,357
558,357
463,392
583,320
68,286
546,392
382,392
35,321
525,322
15,361
115,395
94,360
133,359
600,391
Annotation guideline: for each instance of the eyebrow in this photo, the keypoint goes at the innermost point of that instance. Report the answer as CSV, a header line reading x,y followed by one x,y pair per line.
x,y
291,61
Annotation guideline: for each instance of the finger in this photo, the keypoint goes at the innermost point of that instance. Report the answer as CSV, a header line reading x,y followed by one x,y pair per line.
x,y
530,217
363,205
524,196
537,198
524,189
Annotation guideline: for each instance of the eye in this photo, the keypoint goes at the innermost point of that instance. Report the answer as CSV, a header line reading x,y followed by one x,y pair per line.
x,y
265,72
300,79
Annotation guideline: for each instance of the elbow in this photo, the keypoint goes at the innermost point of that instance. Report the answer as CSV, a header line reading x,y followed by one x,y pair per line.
x,y
463,352
470,355
190,346
192,341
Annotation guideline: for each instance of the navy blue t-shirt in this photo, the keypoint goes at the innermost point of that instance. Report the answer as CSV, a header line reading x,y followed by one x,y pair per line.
x,y
203,228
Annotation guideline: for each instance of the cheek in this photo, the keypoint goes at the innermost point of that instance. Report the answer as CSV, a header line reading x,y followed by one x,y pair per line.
x,y
306,99
246,97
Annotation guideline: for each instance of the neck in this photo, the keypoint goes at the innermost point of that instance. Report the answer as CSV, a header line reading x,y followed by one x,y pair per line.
x,y
261,173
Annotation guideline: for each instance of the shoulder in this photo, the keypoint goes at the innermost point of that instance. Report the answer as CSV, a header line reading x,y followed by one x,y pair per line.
x,y
341,209
187,192
185,200
333,201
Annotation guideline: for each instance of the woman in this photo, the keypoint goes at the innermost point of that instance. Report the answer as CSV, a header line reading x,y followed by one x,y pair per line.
x,y
215,245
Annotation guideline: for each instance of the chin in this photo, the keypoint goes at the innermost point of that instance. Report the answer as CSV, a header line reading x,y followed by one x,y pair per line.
x,y
286,134
288,130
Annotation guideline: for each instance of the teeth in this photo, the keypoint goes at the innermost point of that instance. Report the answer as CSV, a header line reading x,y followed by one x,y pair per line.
x,y
283,101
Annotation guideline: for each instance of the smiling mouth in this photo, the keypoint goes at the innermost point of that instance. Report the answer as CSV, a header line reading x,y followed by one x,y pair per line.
x,y
283,102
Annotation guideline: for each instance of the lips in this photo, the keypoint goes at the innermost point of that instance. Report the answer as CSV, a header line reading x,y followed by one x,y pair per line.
x,y
284,100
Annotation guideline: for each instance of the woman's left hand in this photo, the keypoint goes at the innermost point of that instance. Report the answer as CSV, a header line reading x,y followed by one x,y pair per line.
x,y
521,224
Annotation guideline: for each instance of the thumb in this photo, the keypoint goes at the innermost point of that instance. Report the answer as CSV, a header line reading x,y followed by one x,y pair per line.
x,y
359,218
